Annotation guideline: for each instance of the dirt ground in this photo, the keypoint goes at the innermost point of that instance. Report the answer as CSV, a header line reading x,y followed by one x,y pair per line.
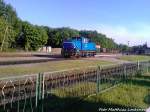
x,y
33,64
107,57
100,57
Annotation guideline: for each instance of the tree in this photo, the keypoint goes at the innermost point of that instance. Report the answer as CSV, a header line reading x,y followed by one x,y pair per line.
x,y
12,21
2,8
57,35
32,37
123,47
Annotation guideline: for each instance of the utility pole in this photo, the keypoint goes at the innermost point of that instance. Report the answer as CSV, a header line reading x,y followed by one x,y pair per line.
x,y
128,47
128,43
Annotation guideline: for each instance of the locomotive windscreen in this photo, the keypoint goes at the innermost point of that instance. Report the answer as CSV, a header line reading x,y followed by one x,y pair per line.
x,y
68,45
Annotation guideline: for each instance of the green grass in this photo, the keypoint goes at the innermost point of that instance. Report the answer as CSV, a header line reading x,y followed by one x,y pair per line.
x,y
77,90
63,96
134,58
134,93
125,95
48,66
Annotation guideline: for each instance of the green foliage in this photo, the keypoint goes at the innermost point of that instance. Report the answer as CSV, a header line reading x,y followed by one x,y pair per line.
x,y
123,47
57,35
32,37
147,99
9,23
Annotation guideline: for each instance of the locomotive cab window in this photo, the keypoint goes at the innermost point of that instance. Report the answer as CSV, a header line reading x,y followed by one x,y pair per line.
x,y
78,39
85,40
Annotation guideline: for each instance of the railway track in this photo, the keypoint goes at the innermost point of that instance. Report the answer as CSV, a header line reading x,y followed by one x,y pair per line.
x,y
28,59
3,63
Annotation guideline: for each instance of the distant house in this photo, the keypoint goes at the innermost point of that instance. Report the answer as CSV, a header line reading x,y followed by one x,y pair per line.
x,y
46,49
147,51
98,48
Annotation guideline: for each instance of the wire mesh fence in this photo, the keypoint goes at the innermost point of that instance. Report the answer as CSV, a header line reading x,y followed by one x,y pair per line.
x,y
16,93
51,90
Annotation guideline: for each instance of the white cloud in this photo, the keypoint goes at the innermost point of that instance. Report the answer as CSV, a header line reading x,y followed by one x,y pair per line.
x,y
122,34
136,34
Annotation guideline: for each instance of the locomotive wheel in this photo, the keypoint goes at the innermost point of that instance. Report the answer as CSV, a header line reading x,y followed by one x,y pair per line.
x,y
77,55
66,55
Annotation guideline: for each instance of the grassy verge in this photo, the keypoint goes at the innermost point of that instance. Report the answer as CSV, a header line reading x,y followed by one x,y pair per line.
x,y
130,95
134,58
79,90
48,66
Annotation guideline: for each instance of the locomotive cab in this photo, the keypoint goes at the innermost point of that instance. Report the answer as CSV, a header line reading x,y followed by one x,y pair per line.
x,y
68,49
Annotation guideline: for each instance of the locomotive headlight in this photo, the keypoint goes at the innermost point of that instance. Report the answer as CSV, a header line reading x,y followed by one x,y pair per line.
x,y
74,48
78,50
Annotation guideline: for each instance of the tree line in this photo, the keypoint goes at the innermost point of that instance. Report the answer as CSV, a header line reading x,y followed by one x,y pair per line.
x,y
18,34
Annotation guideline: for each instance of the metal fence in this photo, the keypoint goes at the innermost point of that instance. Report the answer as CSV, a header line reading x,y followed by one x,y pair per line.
x,y
51,90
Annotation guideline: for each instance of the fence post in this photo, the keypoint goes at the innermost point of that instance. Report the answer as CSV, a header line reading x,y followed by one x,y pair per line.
x,y
125,71
147,67
40,86
98,79
39,92
42,91
37,89
18,109
43,82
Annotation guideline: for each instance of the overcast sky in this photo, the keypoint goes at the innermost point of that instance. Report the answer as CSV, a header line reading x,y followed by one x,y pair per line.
x,y
122,20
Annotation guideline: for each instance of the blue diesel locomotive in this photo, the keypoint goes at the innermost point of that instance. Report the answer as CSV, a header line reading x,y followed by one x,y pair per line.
x,y
78,46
